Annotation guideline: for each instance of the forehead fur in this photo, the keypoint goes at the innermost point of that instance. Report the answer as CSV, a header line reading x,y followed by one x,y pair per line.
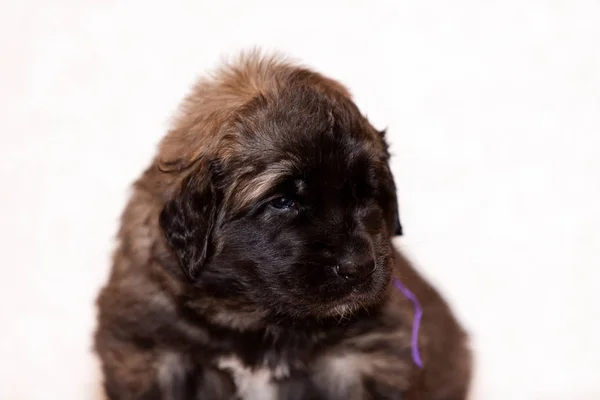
x,y
203,126
255,116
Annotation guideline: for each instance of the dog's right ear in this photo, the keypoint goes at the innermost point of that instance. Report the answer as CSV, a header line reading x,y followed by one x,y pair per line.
x,y
188,221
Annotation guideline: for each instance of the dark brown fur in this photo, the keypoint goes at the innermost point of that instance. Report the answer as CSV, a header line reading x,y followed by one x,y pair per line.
x,y
164,323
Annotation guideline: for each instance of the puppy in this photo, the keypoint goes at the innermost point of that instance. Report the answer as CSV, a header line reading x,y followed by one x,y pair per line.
x,y
255,256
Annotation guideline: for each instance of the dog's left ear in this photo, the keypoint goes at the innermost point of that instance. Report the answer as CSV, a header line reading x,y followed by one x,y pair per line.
x,y
188,221
398,230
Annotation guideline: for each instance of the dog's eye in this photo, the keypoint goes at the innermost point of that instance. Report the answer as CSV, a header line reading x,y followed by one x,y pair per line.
x,y
283,203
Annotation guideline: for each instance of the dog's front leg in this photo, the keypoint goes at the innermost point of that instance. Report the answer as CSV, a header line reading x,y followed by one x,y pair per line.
x,y
133,372
375,374
143,373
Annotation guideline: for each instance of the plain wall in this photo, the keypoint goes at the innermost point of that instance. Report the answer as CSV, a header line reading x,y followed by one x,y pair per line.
x,y
492,109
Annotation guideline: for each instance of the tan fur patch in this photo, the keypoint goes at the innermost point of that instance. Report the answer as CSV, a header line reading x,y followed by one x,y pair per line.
x,y
204,127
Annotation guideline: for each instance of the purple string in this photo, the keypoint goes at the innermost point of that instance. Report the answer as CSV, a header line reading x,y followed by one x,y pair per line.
x,y
417,320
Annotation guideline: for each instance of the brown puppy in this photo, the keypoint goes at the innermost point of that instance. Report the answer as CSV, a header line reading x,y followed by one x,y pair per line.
x,y
255,256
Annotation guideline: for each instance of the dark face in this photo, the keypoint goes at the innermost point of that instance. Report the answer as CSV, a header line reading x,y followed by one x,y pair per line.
x,y
312,236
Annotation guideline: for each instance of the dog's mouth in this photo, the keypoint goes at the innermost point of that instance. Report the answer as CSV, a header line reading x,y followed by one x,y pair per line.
x,y
353,276
318,292
334,286
349,306
349,298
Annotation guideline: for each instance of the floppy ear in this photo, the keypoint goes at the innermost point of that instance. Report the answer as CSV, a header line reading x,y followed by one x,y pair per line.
x,y
188,222
398,230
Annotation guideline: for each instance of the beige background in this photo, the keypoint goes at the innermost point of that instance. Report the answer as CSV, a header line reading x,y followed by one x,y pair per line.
x,y
493,110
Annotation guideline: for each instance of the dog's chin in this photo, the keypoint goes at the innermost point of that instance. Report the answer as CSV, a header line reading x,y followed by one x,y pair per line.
x,y
347,300
363,297
349,303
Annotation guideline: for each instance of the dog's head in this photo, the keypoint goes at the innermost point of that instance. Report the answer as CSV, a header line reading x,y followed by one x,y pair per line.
x,y
286,205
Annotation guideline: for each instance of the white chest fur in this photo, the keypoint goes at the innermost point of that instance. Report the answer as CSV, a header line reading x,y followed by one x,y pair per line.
x,y
253,383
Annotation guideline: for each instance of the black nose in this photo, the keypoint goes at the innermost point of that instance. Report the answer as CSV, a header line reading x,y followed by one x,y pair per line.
x,y
355,268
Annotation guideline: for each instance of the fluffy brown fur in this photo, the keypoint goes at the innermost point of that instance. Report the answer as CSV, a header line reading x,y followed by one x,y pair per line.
x,y
255,256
